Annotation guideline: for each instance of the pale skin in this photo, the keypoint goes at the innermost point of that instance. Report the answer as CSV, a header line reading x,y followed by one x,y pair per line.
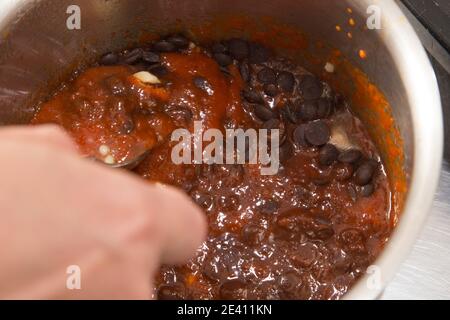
x,y
58,210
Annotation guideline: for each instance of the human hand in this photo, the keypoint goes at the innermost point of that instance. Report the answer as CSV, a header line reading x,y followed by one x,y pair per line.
x,y
58,210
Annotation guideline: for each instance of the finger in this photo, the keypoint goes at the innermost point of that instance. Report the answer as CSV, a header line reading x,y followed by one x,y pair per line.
x,y
182,223
176,225
44,134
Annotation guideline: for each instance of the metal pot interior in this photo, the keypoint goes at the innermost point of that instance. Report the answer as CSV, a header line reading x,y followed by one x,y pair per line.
x,y
37,51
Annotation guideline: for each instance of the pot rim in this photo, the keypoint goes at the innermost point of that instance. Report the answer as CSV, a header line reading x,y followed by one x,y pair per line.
x,y
423,97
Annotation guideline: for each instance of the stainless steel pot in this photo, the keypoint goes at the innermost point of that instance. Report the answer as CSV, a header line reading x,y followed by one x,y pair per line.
x,y
37,50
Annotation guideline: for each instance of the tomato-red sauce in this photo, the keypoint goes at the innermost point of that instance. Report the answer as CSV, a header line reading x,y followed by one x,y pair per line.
x,y
307,232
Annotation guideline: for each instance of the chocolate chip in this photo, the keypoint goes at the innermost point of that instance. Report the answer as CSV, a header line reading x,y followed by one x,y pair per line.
x,y
145,111
140,66
365,172
302,193
225,71
179,41
287,282
287,225
150,57
311,87
180,114
233,290
323,229
267,76
275,124
338,101
121,123
288,112
350,156
328,154
353,239
229,203
272,124
219,48
238,48
159,70
127,127
321,180
269,207
203,171
352,192
187,186
252,234
294,223
204,200
258,54
286,81
175,291
83,106
324,107
271,90
230,123
317,133
109,59
133,56
307,111
286,151
264,113
299,136
244,70
367,190
164,46
222,59
213,269
233,174
115,85
304,256
202,83
252,96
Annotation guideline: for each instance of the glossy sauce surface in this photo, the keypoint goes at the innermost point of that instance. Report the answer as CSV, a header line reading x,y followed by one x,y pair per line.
x,y
307,232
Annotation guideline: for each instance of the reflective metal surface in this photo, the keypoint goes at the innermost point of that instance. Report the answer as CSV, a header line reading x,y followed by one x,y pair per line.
x,y
37,50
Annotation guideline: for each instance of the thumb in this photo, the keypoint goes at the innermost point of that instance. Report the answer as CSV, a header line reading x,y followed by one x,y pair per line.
x,y
42,134
181,223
